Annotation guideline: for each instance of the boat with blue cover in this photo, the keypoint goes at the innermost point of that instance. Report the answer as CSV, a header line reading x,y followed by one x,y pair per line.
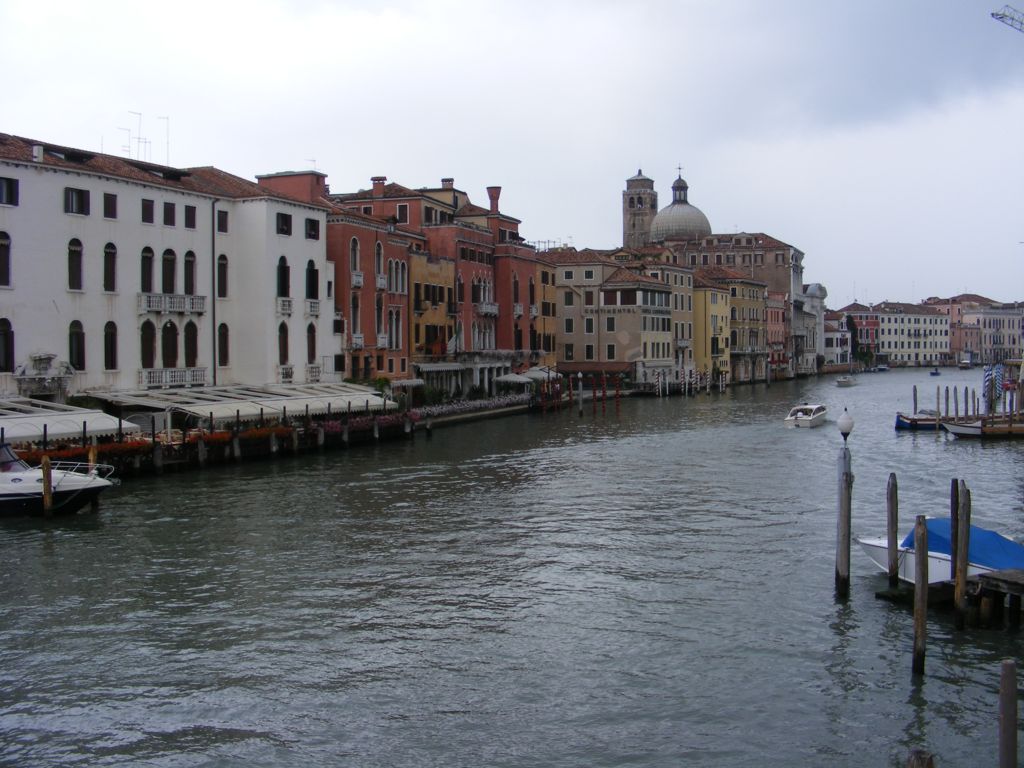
x,y
987,551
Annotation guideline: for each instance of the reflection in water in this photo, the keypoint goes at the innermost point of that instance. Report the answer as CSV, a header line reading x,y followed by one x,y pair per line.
x,y
653,585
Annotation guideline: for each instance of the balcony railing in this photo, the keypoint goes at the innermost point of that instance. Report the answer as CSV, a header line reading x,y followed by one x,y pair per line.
x,y
382,282
487,308
382,341
357,279
172,377
165,303
517,309
285,374
534,310
313,307
314,373
357,341
284,305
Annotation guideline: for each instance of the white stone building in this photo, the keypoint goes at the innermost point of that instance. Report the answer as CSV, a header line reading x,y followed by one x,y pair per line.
x,y
1002,330
912,334
120,274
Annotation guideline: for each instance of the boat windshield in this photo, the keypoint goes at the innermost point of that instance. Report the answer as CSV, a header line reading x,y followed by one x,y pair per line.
x,y
9,461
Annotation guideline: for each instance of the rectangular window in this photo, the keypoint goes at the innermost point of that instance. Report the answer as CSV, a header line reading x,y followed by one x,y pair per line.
x,y
588,325
609,324
588,298
109,205
8,191
568,325
568,298
611,351
190,217
312,229
284,224
589,352
368,210
222,221
403,213
169,214
147,211
567,274
569,355
588,274
76,201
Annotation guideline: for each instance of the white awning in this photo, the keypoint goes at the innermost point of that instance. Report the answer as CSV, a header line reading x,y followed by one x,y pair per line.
x,y
24,420
513,378
439,367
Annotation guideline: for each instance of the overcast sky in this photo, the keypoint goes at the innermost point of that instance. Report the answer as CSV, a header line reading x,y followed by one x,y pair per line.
x,y
881,137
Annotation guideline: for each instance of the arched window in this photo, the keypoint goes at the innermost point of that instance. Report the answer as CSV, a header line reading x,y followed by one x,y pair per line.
x,y
310,344
169,345
76,346
533,291
357,324
515,289
405,278
353,255
168,266
732,339
222,345
5,259
379,315
147,343
379,258
110,347
190,273
191,344
146,270
75,265
110,268
283,278
282,344
222,276
6,346
391,276
632,202
312,280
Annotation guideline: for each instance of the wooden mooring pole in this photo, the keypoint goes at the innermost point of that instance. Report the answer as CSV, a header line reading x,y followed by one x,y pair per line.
x,y
962,545
892,506
47,486
915,398
954,525
1008,714
920,593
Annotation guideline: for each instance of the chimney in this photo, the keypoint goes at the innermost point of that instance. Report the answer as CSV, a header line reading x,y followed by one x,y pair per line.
x,y
448,183
494,193
37,153
378,185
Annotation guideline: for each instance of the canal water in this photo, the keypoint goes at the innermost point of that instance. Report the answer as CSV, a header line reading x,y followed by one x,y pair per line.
x,y
650,585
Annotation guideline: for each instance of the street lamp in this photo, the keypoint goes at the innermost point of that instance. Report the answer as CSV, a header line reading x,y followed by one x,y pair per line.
x,y
845,424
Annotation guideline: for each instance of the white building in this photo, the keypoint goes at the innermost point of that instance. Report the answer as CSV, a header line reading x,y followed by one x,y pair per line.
x,y
912,334
837,339
1002,330
120,274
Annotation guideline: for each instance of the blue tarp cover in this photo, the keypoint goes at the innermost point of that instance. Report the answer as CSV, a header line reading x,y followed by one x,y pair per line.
x,y
987,548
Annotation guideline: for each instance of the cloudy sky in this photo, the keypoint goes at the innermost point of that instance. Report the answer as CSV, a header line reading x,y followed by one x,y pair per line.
x,y
881,137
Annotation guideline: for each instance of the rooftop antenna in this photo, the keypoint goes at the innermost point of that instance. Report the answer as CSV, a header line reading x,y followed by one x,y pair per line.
x,y
138,136
167,134
127,147
312,160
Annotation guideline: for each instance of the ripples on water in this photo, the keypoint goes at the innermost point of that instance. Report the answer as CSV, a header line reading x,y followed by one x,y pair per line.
x,y
651,586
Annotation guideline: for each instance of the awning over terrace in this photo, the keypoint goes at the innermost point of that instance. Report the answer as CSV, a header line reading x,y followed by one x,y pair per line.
x,y
23,420
226,404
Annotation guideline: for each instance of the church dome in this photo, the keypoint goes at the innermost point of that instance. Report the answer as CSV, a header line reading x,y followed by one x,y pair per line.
x,y
680,220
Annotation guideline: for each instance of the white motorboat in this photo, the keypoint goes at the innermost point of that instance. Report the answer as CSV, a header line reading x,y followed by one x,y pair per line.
x,y
845,381
806,415
73,484
987,551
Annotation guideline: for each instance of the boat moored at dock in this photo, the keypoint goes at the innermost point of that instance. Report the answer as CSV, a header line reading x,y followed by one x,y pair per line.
x,y
73,485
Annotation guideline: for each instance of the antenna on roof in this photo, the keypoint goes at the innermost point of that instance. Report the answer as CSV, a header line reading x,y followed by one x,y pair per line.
x,y
167,134
127,147
312,160
138,136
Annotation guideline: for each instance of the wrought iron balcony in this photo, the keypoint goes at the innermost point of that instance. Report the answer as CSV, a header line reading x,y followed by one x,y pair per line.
x,y
357,341
314,373
517,309
534,310
285,374
382,341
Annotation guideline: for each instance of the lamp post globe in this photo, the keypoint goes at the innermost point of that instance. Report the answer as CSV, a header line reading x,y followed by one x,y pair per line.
x,y
845,424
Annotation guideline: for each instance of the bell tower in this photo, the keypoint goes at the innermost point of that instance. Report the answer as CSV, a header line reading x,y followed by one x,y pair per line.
x,y
639,206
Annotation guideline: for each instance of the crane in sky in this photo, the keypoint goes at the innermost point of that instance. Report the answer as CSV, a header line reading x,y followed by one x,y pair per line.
x,y
1010,16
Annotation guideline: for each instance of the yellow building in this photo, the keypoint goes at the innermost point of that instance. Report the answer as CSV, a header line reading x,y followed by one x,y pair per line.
x,y
433,307
711,328
748,322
